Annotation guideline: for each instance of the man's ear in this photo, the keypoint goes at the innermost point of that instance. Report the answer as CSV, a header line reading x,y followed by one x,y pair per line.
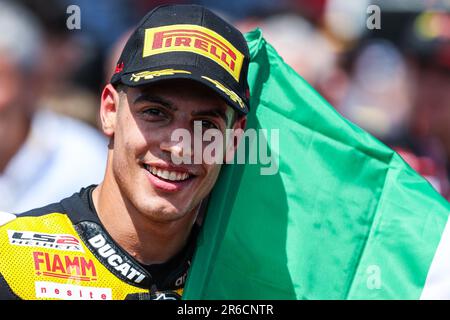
x,y
235,138
108,109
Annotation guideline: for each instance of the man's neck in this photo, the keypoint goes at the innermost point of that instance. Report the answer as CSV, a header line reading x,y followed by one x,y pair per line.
x,y
148,241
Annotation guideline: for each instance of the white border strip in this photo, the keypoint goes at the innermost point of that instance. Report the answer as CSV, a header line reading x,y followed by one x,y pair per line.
x,y
437,285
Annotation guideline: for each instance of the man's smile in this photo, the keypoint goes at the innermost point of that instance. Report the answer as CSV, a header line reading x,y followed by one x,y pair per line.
x,y
168,178
167,174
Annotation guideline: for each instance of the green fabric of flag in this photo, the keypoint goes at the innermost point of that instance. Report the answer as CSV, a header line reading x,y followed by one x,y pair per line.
x,y
343,218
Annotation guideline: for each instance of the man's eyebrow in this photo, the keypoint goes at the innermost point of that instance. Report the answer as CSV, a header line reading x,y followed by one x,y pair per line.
x,y
146,97
213,113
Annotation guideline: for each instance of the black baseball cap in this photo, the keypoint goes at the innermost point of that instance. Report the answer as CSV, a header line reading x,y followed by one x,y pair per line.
x,y
187,42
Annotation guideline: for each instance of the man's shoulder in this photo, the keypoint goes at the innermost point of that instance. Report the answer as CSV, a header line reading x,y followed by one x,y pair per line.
x,y
38,247
39,219
37,212
6,217
57,211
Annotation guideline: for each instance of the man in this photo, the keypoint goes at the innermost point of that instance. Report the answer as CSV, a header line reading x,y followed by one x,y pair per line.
x,y
44,156
133,235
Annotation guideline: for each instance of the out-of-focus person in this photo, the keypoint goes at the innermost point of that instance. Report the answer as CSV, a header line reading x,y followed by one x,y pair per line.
x,y
67,66
306,48
43,155
399,89
379,98
427,47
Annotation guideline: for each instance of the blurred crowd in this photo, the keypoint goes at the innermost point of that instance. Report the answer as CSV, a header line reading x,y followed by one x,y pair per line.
x,y
393,79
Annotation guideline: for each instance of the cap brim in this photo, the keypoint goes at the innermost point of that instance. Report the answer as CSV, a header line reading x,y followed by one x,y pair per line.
x,y
137,79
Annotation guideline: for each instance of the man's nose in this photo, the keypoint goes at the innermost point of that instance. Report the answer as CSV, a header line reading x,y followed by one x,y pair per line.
x,y
179,150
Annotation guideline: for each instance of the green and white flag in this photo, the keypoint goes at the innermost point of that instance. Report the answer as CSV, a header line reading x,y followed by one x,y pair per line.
x,y
344,217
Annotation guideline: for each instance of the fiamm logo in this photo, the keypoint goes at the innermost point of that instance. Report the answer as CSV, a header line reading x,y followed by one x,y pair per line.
x,y
64,266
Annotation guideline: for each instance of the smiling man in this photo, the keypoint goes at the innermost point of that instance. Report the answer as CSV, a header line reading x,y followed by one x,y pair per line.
x,y
133,235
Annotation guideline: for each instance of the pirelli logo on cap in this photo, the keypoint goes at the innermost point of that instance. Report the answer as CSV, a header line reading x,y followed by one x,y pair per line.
x,y
196,39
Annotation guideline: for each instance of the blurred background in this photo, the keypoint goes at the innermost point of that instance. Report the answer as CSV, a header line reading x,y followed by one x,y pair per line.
x,y
388,73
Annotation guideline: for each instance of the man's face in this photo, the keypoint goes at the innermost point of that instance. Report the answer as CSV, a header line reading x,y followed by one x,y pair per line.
x,y
142,149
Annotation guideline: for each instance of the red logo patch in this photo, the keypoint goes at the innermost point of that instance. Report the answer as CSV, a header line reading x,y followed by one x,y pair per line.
x,y
64,266
119,68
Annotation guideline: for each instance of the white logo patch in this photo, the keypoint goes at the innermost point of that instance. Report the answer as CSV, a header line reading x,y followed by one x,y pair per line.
x,y
64,242
62,291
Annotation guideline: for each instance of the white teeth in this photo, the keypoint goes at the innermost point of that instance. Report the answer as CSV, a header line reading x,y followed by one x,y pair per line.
x,y
168,175
164,174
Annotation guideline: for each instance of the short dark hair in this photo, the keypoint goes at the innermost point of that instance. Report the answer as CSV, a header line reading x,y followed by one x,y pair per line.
x,y
120,87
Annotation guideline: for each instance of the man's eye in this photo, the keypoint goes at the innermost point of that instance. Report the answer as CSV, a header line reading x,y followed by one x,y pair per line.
x,y
206,124
153,112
